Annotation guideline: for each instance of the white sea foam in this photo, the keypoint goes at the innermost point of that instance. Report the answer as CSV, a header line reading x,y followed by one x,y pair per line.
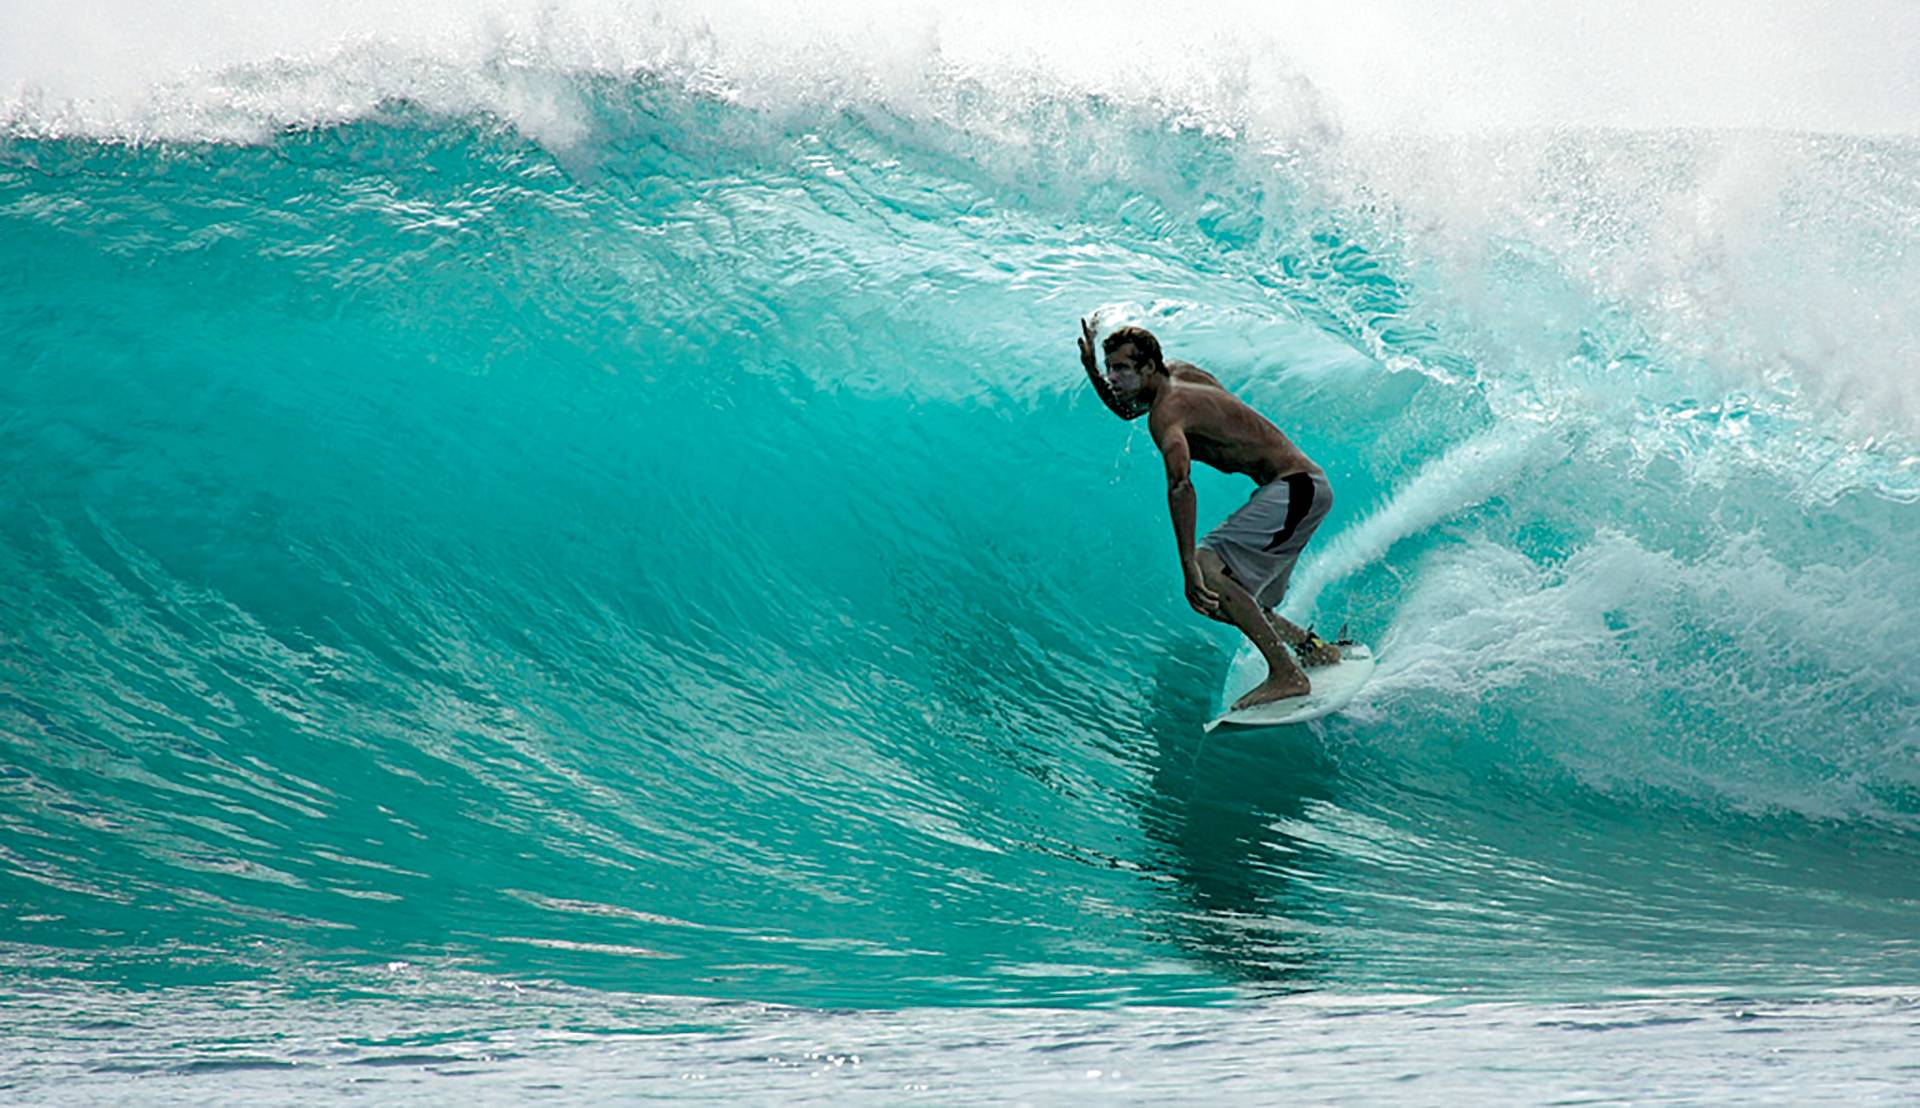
x,y
1461,479
118,65
1730,673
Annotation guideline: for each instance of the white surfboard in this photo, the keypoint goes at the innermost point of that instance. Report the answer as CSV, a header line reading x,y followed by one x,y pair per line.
x,y
1334,687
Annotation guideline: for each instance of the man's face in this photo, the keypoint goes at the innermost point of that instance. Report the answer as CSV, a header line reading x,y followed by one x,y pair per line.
x,y
1126,370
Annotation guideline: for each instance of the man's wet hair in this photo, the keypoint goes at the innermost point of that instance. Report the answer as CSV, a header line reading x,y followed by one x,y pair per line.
x,y
1141,339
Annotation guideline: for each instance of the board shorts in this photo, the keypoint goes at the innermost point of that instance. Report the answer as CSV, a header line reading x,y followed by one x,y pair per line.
x,y
1262,540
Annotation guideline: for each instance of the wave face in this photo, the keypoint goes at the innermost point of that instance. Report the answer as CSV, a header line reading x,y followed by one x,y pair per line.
x,y
634,516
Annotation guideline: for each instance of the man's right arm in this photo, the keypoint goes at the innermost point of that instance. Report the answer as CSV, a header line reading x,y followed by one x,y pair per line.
x,y
1100,384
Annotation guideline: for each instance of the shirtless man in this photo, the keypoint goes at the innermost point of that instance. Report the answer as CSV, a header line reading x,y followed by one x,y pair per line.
x,y
1238,573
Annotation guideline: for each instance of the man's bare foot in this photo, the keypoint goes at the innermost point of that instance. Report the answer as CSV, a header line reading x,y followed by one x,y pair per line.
x,y
1272,689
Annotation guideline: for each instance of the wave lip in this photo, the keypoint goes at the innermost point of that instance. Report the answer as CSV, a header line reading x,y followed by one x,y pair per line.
x,y
225,71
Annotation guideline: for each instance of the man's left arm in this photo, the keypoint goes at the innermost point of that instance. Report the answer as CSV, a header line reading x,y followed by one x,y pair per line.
x,y
1182,504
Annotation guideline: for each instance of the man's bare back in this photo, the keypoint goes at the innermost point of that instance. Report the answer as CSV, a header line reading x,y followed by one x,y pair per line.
x,y
1222,431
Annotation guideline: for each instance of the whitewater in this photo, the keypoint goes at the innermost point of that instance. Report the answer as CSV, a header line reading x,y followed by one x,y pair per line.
x,y
565,548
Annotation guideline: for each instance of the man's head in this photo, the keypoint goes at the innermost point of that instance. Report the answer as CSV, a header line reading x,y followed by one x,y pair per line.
x,y
1134,365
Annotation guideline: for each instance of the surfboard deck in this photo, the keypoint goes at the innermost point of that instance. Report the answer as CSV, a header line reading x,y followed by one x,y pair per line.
x,y
1334,687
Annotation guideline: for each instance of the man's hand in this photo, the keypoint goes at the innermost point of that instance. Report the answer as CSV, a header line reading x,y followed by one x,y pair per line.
x,y
1204,600
1086,347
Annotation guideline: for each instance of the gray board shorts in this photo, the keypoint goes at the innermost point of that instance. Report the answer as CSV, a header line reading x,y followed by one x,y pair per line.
x,y
1262,540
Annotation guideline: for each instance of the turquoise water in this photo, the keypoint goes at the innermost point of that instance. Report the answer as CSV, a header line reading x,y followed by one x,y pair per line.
x,y
656,550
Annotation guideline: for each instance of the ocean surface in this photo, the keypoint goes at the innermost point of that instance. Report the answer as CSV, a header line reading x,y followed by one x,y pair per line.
x,y
565,550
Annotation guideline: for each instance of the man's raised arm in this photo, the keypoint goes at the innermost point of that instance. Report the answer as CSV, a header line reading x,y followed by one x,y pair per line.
x,y
1099,379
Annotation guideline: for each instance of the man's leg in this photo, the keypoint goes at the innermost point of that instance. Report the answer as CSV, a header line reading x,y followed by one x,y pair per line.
x,y
1284,676
1293,634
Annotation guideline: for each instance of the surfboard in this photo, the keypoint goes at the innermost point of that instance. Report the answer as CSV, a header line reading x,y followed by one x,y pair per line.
x,y
1334,687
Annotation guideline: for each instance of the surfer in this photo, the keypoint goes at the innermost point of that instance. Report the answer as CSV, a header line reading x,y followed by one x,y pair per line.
x,y
1238,573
